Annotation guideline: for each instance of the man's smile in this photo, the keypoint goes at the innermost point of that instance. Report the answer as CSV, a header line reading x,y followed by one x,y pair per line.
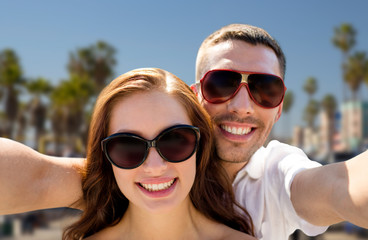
x,y
236,130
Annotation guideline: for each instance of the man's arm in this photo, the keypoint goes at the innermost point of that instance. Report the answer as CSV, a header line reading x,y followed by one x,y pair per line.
x,y
333,193
30,180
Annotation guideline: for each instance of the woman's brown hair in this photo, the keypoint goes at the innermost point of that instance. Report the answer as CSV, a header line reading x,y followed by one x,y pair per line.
x,y
105,205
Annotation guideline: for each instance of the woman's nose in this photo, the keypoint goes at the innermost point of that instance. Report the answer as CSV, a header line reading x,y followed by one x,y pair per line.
x,y
154,163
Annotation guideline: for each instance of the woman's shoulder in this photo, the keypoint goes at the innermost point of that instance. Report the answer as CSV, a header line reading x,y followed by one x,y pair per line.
x,y
230,233
219,231
103,234
95,236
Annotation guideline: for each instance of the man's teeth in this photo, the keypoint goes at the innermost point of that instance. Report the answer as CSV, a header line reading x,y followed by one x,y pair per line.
x,y
157,187
236,131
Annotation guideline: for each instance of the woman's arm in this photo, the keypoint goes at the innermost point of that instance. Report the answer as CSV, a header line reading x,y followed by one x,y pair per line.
x,y
30,180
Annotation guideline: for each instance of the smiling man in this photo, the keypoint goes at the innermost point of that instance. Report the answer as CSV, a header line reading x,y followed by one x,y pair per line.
x,y
241,124
239,81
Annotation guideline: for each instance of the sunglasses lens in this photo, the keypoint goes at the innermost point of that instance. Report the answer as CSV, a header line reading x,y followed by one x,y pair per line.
x,y
219,86
126,151
178,144
266,90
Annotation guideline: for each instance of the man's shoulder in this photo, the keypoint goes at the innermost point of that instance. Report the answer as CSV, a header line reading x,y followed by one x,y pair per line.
x,y
271,154
286,160
283,158
275,144
278,149
274,159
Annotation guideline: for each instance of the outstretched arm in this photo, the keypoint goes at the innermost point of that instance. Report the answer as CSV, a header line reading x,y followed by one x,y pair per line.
x,y
30,180
333,193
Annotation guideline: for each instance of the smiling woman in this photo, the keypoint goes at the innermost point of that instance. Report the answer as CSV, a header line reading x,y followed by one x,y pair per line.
x,y
150,170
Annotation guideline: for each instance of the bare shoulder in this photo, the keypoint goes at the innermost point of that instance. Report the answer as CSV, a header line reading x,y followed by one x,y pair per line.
x,y
103,234
94,237
230,234
110,233
218,231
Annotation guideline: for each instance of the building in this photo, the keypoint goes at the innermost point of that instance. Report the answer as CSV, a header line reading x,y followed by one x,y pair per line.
x,y
354,125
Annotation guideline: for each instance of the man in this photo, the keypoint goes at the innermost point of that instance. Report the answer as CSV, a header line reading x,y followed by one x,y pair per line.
x,y
243,117
280,187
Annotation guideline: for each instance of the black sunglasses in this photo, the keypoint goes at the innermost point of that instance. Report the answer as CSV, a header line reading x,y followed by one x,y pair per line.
x,y
174,144
220,85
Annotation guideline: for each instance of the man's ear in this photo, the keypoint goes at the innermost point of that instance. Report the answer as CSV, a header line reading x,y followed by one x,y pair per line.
x,y
194,89
278,115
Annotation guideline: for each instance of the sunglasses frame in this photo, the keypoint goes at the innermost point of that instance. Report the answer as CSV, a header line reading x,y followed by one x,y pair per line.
x,y
244,81
150,143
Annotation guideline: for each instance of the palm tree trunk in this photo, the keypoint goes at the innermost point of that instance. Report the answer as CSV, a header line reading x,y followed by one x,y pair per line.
x,y
11,109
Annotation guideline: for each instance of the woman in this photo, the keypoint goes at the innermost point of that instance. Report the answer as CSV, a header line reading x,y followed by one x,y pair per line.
x,y
165,187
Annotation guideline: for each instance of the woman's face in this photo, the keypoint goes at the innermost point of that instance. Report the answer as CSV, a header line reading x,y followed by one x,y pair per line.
x,y
156,185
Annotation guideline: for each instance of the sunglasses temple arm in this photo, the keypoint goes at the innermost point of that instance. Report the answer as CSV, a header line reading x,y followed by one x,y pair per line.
x,y
194,88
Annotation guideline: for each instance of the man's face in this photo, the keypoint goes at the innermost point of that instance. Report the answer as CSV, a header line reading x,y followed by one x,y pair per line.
x,y
241,127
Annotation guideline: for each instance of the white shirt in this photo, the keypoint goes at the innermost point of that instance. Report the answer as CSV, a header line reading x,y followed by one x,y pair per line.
x,y
263,188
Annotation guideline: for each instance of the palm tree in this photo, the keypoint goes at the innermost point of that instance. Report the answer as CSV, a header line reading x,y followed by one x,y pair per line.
x,y
95,62
366,75
11,79
355,70
310,86
311,112
2,115
37,108
1,94
288,101
329,105
312,109
104,62
2,125
22,123
344,39
68,103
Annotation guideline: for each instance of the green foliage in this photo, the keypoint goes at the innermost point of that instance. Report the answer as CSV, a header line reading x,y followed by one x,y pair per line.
x,y
89,70
354,66
11,79
39,86
10,69
95,62
310,86
355,70
74,92
288,101
344,37
329,104
310,112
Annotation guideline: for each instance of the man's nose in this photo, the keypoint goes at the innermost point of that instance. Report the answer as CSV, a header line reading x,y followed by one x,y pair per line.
x,y
241,103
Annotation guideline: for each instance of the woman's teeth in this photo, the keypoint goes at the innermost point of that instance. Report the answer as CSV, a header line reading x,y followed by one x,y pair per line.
x,y
157,187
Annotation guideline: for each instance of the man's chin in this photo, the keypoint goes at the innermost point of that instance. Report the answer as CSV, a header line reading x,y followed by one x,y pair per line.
x,y
232,157
232,161
234,153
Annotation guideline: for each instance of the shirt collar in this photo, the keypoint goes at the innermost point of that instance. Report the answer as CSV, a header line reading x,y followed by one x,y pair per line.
x,y
254,168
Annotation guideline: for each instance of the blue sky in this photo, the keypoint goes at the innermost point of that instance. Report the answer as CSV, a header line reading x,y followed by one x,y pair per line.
x,y
167,34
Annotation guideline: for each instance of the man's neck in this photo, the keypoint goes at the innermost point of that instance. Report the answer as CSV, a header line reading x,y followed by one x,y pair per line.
x,y
232,168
